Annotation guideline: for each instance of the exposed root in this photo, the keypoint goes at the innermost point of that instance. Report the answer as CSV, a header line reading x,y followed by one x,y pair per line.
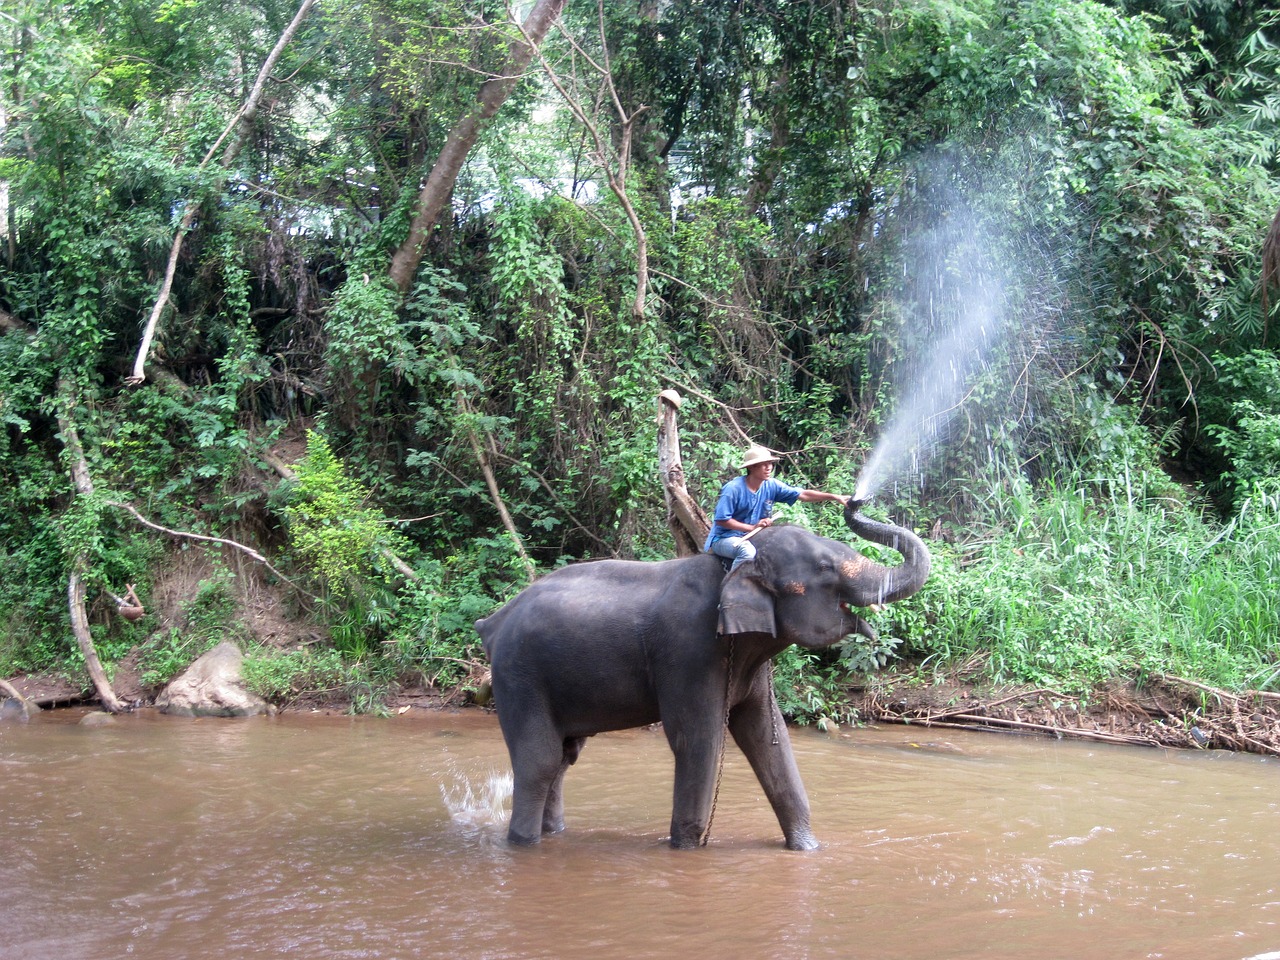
x,y
1167,712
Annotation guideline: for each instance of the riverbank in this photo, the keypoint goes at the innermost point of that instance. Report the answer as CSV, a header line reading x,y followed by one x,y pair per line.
x,y
1164,712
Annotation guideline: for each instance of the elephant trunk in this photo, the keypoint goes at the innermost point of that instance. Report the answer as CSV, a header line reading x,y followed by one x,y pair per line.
x,y
901,581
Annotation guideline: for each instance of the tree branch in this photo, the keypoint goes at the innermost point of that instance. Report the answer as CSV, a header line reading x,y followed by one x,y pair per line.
x,y
491,481
249,551
493,94
78,467
243,123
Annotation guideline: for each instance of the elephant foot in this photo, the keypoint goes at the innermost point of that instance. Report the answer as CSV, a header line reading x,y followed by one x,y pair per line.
x,y
519,840
550,827
802,841
687,836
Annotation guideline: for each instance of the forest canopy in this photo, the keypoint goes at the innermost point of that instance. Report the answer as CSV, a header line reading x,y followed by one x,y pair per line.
x,y
383,291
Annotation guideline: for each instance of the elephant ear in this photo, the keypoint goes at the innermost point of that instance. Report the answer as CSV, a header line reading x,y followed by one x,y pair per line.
x,y
745,606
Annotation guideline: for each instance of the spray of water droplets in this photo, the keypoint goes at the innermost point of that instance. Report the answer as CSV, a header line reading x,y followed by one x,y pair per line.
x,y
962,277
478,805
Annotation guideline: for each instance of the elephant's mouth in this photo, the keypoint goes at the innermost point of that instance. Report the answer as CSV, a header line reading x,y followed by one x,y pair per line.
x,y
860,625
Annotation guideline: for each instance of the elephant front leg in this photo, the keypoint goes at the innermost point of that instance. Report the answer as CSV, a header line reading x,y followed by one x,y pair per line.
x,y
697,765
756,723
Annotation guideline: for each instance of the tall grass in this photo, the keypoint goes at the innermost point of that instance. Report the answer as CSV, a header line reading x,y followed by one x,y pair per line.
x,y
1093,579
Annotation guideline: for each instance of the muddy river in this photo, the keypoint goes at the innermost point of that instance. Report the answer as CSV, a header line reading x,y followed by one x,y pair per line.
x,y
329,837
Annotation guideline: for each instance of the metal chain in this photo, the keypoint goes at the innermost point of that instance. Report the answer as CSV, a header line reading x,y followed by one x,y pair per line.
x,y
724,734
773,706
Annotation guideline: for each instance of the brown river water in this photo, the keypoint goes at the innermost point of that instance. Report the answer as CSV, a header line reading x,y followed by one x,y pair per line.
x,y
330,837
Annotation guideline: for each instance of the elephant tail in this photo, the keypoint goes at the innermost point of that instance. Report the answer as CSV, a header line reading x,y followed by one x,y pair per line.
x,y
482,627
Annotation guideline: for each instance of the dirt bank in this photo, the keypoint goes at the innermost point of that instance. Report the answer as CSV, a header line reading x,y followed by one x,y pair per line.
x,y
1165,712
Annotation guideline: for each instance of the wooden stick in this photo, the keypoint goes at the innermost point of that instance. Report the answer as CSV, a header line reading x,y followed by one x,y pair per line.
x,y
1223,694
982,723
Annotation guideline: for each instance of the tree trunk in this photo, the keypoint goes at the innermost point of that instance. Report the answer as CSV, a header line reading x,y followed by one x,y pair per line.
x,y
779,139
438,189
80,627
688,524
79,469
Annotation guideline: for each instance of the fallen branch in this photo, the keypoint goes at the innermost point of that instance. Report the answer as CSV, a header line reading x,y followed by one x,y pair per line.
x,y
12,691
1055,729
249,551
1231,721
982,724
987,705
1221,694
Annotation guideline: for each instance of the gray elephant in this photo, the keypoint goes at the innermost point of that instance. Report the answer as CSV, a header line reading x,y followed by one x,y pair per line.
x,y
612,644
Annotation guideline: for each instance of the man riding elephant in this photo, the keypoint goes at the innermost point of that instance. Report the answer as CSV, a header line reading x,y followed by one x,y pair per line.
x,y
746,506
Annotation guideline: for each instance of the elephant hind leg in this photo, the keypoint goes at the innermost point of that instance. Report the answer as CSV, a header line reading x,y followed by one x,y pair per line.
x,y
537,758
553,812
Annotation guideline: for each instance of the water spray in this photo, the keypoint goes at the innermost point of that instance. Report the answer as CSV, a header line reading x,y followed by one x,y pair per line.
x,y
972,308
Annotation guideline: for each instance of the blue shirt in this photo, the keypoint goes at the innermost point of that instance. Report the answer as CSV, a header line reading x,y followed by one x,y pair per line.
x,y
737,502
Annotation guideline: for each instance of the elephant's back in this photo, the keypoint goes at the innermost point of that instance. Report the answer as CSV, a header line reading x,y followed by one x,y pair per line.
x,y
603,598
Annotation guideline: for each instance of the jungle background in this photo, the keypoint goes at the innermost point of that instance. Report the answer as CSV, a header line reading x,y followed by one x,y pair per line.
x,y
328,325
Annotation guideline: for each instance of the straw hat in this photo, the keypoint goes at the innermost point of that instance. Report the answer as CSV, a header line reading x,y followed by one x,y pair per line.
x,y
757,454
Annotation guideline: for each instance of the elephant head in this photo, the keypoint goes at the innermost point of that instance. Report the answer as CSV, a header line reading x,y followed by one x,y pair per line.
x,y
804,589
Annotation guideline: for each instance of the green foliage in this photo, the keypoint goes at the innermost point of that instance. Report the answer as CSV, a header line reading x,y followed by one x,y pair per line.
x,y
1104,579
281,676
810,687
825,191
331,527
1242,416
434,637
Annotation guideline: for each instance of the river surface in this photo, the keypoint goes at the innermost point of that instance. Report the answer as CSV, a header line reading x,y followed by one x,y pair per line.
x,y
330,837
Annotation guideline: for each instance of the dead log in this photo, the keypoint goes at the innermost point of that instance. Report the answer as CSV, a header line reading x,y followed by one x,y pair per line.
x,y
685,518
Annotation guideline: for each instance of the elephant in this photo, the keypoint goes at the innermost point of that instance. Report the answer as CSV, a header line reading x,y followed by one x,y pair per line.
x,y
613,644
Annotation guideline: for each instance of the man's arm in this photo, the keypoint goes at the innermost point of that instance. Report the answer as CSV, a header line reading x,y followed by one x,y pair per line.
x,y
813,496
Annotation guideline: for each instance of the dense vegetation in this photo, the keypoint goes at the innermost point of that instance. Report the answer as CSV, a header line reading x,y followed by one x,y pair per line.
x,y
1022,242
